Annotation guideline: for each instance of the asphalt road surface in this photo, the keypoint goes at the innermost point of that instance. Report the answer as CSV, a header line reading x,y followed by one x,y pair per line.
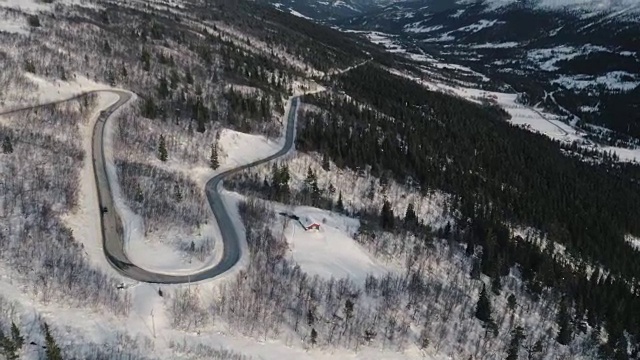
x,y
112,230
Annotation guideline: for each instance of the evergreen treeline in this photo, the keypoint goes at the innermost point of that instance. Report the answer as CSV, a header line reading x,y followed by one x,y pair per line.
x,y
497,174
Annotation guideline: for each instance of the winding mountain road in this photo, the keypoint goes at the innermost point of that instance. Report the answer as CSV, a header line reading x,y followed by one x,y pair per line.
x,y
111,224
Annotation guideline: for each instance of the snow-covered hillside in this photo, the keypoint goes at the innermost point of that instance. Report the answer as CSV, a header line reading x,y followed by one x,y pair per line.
x,y
570,5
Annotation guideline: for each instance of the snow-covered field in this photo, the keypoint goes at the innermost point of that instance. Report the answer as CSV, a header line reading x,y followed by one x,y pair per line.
x,y
37,90
391,44
330,251
633,241
530,118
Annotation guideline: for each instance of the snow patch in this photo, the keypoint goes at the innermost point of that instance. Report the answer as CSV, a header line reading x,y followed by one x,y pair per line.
x,y
633,241
614,80
506,45
330,251
530,118
416,28
293,12
482,24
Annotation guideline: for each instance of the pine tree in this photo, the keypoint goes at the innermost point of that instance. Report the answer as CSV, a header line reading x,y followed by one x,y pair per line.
x,y
8,347
7,146
177,194
314,336
423,340
511,302
348,309
18,339
565,332
213,159
162,150
311,318
410,217
163,88
326,165
139,197
496,285
386,216
149,109
146,60
517,336
53,351
339,204
483,307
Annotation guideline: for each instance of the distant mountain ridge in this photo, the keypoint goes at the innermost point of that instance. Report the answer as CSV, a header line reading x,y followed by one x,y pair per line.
x,y
580,58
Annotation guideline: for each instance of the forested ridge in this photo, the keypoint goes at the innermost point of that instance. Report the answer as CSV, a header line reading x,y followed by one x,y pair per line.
x,y
500,176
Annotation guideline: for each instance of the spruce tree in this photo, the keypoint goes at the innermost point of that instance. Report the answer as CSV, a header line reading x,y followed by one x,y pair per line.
x,y
326,165
386,216
7,146
517,336
53,351
162,150
339,204
483,307
496,285
177,194
8,347
18,339
213,159
410,217
139,197
314,336
311,318
149,109
348,309
565,332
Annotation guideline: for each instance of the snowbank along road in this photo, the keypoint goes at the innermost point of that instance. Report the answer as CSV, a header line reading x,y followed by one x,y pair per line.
x,y
111,225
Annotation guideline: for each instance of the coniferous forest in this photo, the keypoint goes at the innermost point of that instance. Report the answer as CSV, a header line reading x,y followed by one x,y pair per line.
x,y
500,176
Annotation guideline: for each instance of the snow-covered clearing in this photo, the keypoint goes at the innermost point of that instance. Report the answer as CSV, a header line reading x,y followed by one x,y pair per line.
x,y
37,90
293,12
393,45
633,241
482,24
547,58
614,80
593,6
329,251
154,251
35,6
530,118
418,28
505,45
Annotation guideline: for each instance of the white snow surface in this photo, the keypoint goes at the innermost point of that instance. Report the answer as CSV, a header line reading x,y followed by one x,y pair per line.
x,y
41,90
530,118
633,241
417,28
614,80
546,58
482,24
35,6
152,251
330,251
506,45
83,221
579,5
293,12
